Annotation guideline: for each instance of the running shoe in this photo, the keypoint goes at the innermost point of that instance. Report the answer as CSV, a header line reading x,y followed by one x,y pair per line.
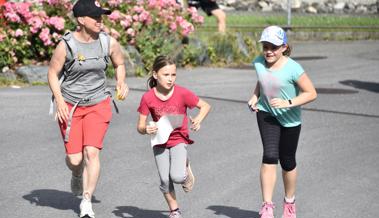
x,y
267,210
289,210
190,180
86,209
175,214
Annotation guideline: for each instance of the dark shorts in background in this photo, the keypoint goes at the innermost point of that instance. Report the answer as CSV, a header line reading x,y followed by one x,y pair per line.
x,y
206,5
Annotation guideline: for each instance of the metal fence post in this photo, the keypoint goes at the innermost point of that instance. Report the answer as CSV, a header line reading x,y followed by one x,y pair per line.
x,y
289,6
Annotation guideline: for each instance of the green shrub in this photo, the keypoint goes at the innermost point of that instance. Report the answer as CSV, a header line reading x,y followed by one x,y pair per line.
x,y
226,49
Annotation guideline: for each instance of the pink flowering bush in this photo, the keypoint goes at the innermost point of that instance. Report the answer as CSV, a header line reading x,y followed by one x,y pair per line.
x,y
30,30
153,26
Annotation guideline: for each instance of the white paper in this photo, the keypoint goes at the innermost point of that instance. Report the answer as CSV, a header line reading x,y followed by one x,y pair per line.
x,y
166,124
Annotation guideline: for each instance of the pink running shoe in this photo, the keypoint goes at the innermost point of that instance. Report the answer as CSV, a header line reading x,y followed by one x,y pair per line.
x,y
267,210
289,210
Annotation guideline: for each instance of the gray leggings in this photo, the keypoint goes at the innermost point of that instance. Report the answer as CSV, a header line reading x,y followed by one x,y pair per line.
x,y
171,164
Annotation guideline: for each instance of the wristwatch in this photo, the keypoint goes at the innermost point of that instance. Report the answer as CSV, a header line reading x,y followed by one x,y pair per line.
x,y
289,101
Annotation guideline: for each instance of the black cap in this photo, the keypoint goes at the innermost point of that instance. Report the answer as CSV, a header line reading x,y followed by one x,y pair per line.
x,y
90,8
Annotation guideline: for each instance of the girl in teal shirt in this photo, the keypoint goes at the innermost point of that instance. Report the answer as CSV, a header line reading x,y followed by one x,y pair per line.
x,y
282,88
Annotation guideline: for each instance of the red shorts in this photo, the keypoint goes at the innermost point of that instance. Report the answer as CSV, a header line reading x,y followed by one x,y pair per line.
x,y
88,126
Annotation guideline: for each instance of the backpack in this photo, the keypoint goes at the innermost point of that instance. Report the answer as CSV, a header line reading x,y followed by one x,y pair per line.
x,y
73,50
72,57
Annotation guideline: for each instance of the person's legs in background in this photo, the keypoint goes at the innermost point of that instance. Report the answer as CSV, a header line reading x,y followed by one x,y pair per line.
x,y
221,19
210,7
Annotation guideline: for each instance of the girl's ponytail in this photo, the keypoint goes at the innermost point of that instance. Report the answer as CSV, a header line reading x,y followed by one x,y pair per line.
x,y
151,82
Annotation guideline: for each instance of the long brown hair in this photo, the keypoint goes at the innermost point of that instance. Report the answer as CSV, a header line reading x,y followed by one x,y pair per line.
x,y
159,62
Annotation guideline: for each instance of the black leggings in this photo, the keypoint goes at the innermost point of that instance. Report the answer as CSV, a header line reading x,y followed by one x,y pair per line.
x,y
279,143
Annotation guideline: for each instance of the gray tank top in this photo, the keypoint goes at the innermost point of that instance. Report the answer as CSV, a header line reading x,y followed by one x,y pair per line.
x,y
86,81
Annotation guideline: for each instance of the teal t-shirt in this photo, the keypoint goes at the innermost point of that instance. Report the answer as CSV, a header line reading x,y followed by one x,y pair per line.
x,y
282,84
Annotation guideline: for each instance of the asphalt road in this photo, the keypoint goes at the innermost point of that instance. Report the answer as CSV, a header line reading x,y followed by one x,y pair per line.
x,y
338,155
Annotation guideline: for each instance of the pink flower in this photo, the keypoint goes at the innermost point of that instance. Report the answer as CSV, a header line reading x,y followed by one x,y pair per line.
x,y
125,23
173,26
114,3
53,2
198,19
18,33
138,9
57,22
135,17
131,32
64,3
195,16
152,4
35,24
192,10
115,16
169,17
41,14
129,18
189,29
45,36
186,26
144,16
13,17
180,19
10,13
23,8
8,6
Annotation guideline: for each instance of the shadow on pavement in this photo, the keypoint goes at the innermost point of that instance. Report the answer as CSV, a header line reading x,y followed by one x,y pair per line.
x,y
233,212
369,86
134,212
335,91
309,58
60,200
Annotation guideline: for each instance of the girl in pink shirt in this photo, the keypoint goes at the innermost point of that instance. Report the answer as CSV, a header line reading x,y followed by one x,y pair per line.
x,y
163,99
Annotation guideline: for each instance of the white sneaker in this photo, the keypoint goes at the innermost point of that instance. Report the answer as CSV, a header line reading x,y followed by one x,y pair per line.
x,y
86,209
175,214
77,185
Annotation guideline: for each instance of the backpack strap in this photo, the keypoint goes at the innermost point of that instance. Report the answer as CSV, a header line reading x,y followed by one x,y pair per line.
x,y
72,48
70,43
105,41
70,60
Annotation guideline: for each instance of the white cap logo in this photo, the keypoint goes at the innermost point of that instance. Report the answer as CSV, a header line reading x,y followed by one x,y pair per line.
x,y
97,4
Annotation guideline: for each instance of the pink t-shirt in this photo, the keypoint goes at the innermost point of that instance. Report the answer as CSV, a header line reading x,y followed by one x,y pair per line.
x,y
180,100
